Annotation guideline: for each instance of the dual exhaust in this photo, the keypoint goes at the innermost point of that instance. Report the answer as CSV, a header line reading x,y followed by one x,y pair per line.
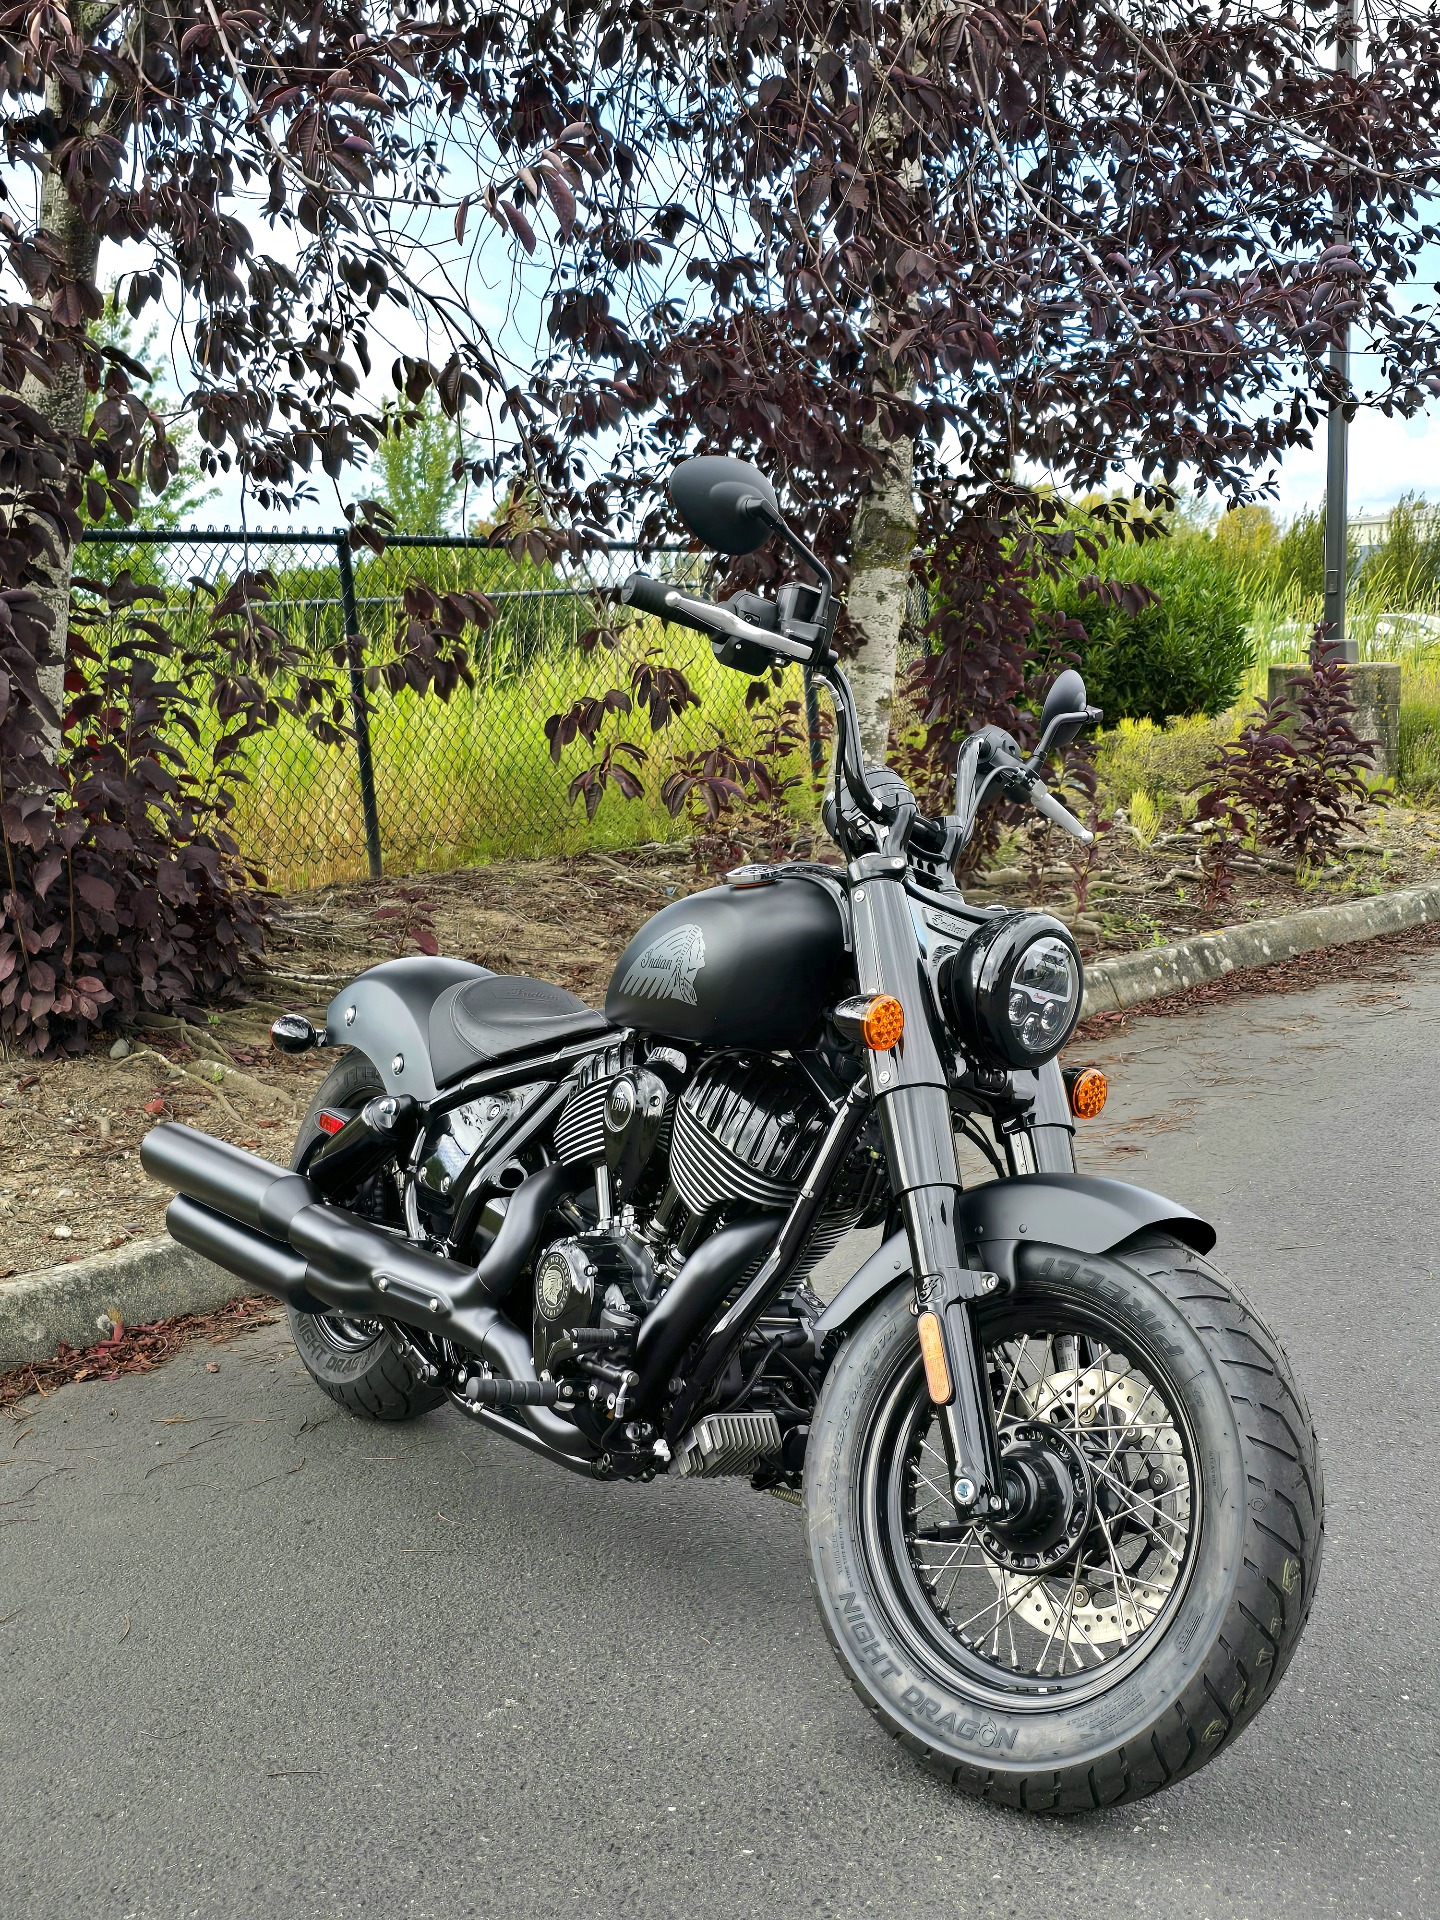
x,y
274,1230
278,1234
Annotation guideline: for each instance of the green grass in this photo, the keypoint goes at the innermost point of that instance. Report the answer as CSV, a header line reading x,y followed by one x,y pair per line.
x,y
1163,764
457,781
471,779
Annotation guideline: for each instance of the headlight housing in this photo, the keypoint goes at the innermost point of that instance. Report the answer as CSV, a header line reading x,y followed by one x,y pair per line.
x,y
1013,991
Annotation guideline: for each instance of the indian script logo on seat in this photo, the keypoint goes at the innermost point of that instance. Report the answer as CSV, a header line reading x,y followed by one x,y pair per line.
x,y
666,970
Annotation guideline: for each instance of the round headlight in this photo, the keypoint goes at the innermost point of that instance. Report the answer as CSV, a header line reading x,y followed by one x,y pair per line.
x,y
1013,991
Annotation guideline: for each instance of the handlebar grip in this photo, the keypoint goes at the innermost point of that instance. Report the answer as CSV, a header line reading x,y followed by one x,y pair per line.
x,y
652,596
1045,802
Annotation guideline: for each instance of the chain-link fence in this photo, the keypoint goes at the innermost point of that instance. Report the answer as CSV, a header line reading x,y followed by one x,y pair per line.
x,y
418,782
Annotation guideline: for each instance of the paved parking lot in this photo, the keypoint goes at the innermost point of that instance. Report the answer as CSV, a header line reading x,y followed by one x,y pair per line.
x,y
259,1660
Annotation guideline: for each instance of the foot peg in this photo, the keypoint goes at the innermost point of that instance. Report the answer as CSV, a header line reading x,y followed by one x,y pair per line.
x,y
727,1443
481,1392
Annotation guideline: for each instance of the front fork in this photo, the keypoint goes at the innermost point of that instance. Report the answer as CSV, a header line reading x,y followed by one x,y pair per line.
x,y
911,1091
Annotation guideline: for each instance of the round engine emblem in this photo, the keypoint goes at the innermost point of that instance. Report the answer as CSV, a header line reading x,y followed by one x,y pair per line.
x,y
620,1105
559,1277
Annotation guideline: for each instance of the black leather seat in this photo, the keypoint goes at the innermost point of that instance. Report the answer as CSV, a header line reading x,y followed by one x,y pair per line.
x,y
478,1023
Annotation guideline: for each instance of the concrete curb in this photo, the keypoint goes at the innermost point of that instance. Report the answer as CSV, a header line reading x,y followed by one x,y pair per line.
x,y
148,1280
1129,981
156,1279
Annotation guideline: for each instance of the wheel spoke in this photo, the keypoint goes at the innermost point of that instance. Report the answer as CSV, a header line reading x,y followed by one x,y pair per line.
x,y
1108,1407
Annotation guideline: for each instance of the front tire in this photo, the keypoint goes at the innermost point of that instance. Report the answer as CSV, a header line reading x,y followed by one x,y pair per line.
x,y
359,1363
1033,1672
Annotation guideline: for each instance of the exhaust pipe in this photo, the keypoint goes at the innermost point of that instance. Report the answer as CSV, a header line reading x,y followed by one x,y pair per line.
x,y
271,1229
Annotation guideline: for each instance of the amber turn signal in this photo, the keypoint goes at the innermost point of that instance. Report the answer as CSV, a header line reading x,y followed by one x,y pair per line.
x,y
876,1020
932,1352
883,1024
1086,1088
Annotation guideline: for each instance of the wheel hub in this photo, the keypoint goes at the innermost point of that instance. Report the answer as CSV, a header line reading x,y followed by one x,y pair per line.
x,y
1050,1501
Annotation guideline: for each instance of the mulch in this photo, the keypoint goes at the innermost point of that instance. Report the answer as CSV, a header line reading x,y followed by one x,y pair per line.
x,y
135,1349
1382,957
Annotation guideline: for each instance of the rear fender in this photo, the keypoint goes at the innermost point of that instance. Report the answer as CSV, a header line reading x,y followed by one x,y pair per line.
x,y
386,1014
1080,1212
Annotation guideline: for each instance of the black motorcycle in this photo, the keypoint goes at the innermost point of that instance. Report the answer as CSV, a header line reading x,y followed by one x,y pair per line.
x,y
1061,1493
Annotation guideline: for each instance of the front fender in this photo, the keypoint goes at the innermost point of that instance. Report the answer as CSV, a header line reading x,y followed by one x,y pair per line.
x,y
1078,1211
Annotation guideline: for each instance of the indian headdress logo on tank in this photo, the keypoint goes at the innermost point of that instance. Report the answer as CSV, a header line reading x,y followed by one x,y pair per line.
x,y
667,968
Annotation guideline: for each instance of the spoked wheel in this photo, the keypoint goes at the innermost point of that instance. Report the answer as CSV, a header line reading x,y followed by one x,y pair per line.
x,y
358,1362
1098,1461
1130,1610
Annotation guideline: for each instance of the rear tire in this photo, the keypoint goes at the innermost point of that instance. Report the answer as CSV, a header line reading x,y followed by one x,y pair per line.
x,y
1162,1378
359,1363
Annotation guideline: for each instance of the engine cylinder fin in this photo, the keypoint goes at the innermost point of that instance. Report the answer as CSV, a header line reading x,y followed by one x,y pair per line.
x,y
744,1133
580,1130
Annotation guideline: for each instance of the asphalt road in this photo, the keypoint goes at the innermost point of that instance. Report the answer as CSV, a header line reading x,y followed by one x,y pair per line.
x,y
257,1659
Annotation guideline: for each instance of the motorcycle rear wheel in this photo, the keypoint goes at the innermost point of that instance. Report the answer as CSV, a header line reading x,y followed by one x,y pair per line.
x,y
1035,1672
359,1363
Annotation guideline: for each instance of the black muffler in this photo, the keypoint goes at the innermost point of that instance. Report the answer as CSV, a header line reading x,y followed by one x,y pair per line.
x,y
271,1229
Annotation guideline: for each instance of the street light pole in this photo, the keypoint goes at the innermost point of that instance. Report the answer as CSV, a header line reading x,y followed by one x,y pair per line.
x,y
1337,479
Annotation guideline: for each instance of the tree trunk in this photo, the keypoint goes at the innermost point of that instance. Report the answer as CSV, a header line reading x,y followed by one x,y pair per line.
x,y
62,404
885,522
885,528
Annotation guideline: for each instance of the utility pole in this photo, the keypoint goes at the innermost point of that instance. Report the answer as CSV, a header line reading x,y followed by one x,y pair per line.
x,y
1337,478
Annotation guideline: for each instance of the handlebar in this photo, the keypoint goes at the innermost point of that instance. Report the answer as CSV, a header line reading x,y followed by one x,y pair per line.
x,y
928,835
1045,802
707,617
653,597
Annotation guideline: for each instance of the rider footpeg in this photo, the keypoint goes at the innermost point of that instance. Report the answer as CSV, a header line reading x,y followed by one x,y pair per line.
x,y
481,1392
727,1443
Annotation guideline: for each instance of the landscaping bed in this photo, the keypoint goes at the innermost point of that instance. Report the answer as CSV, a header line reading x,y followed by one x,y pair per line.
x,y
70,1177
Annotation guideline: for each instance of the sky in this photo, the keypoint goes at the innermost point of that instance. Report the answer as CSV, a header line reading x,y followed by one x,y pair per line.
x,y
1387,458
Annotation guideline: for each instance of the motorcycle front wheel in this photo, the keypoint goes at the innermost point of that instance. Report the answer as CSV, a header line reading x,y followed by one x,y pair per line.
x,y
1143,1613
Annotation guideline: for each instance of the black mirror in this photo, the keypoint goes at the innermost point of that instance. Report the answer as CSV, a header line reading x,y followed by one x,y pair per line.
x,y
727,503
1067,696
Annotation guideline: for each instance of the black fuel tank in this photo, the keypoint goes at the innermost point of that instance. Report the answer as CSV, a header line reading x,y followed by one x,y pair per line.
x,y
753,966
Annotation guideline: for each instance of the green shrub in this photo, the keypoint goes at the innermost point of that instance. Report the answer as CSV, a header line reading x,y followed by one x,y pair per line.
x,y
1184,654
1245,538
1161,762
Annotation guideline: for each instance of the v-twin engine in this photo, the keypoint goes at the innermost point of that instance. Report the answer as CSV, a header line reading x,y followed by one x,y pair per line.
x,y
735,1141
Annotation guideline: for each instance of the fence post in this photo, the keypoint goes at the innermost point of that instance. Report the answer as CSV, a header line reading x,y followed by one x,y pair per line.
x,y
359,706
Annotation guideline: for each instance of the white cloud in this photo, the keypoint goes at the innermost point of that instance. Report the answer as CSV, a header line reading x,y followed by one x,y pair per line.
x,y
1387,458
